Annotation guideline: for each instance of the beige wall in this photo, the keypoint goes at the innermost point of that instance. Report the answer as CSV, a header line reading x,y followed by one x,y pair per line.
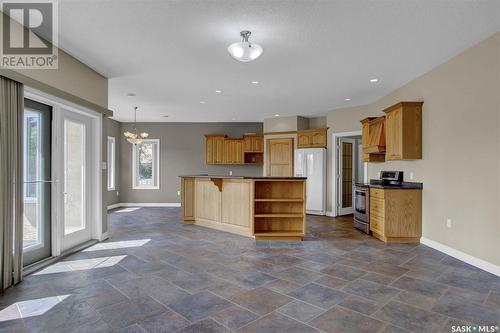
x,y
182,151
461,148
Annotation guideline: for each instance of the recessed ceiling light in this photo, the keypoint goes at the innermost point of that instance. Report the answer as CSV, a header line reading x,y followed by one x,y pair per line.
x,y
276,115
373,80
202,102
165,116
255,82
130,95
233,118
347,99
218,91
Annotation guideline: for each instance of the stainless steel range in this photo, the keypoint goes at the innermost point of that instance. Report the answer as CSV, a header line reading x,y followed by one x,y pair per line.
x,y
362,207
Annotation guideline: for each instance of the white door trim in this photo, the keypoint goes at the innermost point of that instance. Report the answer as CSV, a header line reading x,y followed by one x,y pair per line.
x,y
57,103
348,210
335,136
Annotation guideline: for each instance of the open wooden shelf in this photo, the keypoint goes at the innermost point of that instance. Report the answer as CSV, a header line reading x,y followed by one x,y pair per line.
x,y
279,215
279,210
279,200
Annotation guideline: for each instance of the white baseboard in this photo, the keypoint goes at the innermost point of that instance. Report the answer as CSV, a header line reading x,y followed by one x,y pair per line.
x,y
479,263
145,204
330,213
114,206
104,236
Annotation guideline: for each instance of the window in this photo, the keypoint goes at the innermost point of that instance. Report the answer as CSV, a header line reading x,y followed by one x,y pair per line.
x,y
111,163
145,160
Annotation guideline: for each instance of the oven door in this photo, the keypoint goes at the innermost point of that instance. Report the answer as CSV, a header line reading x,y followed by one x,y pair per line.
x,y
361,204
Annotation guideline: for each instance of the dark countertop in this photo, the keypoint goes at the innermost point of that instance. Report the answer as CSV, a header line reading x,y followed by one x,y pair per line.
x,y
237,177
404,186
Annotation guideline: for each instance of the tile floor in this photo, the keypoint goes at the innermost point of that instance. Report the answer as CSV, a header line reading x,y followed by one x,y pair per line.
x,y
155,274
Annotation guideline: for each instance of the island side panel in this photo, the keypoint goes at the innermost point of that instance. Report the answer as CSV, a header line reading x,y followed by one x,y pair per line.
x,y
187,199
237,206
207,200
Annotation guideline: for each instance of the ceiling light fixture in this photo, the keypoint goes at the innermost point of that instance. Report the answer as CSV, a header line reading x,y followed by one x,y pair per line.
x,y
202,102
135,137
218,91
130,95
373,80
245,51
255,82
347,99
276,115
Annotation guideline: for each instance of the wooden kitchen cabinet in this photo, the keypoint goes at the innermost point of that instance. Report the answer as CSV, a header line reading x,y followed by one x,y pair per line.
x,y
214,149
233,151
253,143
365,142
396,214
312,138
404,131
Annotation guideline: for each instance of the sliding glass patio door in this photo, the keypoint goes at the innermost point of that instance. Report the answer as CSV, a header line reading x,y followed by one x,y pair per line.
x,y
37,168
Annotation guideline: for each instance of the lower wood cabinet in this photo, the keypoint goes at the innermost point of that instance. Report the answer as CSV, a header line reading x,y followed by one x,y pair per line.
x,y
396,214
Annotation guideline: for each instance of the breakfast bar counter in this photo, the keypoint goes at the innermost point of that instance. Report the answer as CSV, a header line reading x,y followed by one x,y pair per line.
x,y
267,208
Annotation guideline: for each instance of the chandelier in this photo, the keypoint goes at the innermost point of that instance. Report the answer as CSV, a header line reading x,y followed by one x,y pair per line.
x,y
135,137
245,51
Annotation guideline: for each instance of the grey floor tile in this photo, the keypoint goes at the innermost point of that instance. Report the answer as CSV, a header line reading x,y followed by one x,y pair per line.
x,y
371,290
344,272
281,286
200,305
300,311
421,287
276,323
129,312
234,317
462,308
360,304
338,320
318,295
297,275
167,321
99,326
410,317
134,328
385,268
466,282
204,326
331,282
261,300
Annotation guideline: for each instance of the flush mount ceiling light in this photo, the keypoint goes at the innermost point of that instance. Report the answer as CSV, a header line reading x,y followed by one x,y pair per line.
x,y
245,51
135,137
255,82
373,80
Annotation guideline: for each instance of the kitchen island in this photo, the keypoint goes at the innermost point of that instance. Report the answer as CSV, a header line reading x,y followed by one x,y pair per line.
x,y
267,208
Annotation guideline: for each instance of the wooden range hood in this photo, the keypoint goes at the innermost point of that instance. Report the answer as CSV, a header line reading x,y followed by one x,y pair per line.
x,y
376,137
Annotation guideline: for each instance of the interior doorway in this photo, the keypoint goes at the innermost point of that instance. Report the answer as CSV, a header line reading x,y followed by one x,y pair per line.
x,y
348,169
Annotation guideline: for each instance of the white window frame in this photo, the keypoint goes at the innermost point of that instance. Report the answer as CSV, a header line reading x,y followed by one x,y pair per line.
x,y
111,163
155,171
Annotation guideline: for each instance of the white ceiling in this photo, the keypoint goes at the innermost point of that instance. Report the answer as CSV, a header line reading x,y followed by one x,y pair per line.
x,y
172,54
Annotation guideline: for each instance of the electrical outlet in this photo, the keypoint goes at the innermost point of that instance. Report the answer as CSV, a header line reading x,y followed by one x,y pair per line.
x,y
411,175
448,223
230,173
179,193
117,193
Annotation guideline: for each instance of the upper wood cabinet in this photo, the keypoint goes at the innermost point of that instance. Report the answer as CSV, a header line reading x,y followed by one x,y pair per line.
x,y
253,143
312,138
376,137
219,149
233,151
214,149
404,131
279,157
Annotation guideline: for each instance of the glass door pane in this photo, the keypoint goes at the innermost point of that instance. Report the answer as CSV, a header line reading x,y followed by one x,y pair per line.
x,y
74,176
37,181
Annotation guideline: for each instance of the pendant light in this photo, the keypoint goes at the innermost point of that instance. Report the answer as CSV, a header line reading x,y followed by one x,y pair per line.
x,y
245,51
135,137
